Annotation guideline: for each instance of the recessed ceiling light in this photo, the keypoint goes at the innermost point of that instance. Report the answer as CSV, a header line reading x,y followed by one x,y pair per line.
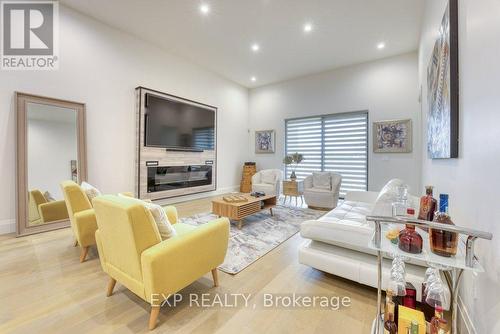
x,y
253,79
204,8
308,27
255,47
380,45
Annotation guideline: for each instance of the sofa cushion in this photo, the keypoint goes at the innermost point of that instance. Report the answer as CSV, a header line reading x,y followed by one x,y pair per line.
x,y
317,190
268,176
345,226
322,180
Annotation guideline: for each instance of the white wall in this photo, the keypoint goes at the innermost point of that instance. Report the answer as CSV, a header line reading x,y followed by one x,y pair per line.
x,y
472,180
101,67
51,147
386,88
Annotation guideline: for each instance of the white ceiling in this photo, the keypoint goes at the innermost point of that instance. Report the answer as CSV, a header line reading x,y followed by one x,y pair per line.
x,y
345,32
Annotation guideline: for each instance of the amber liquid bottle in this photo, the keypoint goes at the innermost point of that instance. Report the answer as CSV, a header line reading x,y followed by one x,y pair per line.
x,y
390,326
438,322
428,205
392,298
443,242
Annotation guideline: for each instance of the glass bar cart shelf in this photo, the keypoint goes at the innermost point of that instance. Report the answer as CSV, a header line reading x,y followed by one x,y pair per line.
x,y
452,267
433,260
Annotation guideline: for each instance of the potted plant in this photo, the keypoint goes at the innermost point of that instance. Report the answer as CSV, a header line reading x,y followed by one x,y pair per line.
x,y
293,160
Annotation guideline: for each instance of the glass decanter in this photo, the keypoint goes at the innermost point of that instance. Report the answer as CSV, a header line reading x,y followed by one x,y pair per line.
x,y
410,240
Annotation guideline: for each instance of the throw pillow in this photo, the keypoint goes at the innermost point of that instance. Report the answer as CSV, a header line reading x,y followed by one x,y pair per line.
x,y
385,198
48,196
164,227
268,176
91,191
160,217
322,180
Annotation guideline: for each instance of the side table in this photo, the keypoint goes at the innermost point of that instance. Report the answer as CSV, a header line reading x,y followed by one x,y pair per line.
x,y
293,188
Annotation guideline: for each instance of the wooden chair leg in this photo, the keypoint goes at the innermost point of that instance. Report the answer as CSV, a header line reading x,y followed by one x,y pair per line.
x,y
83,253
76,243
155,310
215,276
111,286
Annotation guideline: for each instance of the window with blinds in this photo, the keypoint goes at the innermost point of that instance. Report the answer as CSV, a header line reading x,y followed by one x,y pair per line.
x,y
337,143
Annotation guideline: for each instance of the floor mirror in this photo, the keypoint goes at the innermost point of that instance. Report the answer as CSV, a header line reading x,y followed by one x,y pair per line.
x,y
50,149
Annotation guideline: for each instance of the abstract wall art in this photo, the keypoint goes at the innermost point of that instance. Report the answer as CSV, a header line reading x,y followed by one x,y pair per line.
x,y
393,136
264,141
442,89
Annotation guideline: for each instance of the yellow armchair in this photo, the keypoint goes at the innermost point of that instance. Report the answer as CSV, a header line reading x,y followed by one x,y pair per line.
x,y
81,215
41,211
132,252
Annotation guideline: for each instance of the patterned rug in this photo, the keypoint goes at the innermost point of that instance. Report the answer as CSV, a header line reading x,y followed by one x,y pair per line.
x,y
260,233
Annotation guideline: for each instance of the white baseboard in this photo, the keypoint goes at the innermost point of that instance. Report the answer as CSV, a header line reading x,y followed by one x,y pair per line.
x,y
465,324
179,199
7,226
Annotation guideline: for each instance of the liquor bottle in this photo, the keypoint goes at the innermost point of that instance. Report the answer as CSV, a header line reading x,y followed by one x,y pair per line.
x,y
390,326
410,299
428,205
443,242
410,240
391,298
389,295
437,321
427,309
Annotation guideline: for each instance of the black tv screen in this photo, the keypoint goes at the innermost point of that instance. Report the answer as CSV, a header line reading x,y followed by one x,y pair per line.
x,y
178,125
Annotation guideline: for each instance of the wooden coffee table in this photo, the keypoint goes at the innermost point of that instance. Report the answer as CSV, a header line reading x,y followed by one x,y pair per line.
x,y
240,210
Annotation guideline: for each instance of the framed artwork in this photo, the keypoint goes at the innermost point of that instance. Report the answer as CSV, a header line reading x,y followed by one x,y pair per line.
x,y
265,141
392,136
442,89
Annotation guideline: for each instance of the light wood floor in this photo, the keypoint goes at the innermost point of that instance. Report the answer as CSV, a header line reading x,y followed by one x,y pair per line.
x,y
44,289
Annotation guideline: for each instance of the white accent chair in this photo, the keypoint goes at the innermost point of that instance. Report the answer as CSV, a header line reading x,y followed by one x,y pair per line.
x,y
321,190
267,181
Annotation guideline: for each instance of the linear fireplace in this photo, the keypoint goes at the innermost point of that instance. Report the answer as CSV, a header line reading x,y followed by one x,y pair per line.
x,y
161,178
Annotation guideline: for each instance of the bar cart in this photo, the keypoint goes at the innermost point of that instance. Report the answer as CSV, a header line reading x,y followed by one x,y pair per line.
x,y
452,267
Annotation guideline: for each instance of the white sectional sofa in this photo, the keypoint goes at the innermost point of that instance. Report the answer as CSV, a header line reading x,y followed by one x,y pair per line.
x,y
338,243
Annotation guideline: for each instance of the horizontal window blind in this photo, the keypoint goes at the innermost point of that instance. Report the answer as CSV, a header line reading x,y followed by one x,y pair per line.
x,y
337,142
304,136
203,138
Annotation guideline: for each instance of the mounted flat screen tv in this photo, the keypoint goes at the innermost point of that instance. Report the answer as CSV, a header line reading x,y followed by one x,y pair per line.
x,y
178,124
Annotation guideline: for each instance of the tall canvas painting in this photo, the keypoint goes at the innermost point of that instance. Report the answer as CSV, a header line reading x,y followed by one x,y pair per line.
x,y
442,89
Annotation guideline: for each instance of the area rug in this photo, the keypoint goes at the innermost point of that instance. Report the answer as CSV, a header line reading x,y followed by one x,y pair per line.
x,y
259,234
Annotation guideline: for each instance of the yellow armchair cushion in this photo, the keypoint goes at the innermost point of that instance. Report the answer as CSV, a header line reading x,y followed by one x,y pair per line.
x,y
53,211
177,262
182,228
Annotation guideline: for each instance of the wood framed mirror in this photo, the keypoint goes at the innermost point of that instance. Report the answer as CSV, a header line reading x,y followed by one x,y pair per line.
x,y
50,149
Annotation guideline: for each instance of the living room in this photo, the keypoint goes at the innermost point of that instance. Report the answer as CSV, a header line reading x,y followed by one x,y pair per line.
x,y
321,123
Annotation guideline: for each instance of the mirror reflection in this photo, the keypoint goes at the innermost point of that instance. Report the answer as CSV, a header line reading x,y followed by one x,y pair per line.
x,y
52,152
